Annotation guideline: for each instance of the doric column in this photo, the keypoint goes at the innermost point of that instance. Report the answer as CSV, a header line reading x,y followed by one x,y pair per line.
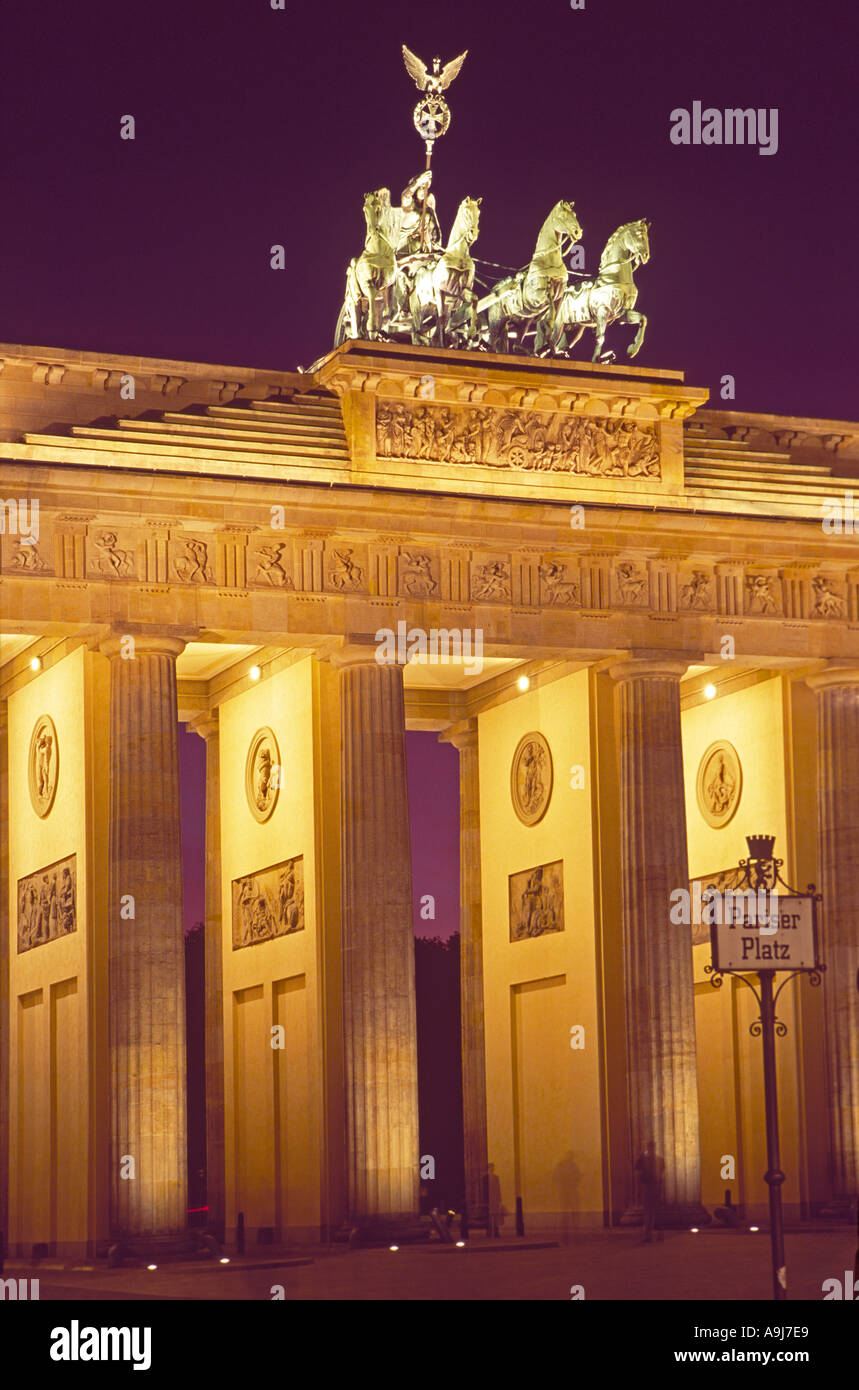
x,y
6,929
378,942
146,944
837,696
660,1006
464,738
207,727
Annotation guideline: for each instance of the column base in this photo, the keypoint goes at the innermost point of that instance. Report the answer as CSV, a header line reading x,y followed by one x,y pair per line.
x,y
837,1209
394,1229
189,1245
670,1216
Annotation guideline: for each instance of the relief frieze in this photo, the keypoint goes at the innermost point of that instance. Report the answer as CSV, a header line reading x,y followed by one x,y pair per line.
x,y
272,565
762,593
399,566
697,592
191,562
631,583
828,603
417,574
491,581
268,904
47,904
560,586
110,559
536,440
537,901
343,572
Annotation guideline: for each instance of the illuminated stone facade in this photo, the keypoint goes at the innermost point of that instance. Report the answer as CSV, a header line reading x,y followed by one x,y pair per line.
x,y
605,535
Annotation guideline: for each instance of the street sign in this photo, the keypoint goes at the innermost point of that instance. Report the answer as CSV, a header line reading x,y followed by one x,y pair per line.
x,y
763,931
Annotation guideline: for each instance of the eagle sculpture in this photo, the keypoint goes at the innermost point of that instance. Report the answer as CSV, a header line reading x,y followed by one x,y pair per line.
x,y
435,81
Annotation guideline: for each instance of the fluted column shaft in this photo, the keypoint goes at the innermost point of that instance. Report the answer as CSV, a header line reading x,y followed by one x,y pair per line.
x,y
146,950
837,697
660,1007
378,944
471,965
207,728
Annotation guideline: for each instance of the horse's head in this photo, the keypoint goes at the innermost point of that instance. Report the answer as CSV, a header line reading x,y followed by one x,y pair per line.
x,y
565,220
628,244
377,207
637,241
467,220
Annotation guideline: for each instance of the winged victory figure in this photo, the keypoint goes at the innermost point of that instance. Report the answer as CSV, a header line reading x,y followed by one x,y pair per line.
x,y
436,81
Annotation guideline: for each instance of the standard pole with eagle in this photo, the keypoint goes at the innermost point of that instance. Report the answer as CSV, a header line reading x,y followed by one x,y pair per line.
x,y
431,116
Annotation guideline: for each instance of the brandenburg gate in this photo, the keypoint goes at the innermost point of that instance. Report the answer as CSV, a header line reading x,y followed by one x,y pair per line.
x,y
635,617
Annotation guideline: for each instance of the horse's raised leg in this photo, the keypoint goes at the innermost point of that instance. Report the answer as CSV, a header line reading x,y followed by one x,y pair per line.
x,y
572,340
544,335
495,327
599,328
633,316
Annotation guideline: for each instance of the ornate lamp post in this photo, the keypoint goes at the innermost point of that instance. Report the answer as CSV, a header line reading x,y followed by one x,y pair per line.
x,y
788,922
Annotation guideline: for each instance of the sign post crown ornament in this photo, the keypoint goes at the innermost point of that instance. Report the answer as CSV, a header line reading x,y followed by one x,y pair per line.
x,y
407,285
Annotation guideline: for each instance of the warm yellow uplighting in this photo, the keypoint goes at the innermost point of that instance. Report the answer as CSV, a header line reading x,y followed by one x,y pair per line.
x,y
36,663
754,1228
523,683
710,691
394,1247
694,1230
151,1266
460,1245
255,673
223,1260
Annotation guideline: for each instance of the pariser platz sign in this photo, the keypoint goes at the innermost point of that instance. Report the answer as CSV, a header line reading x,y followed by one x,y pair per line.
x,y
778,933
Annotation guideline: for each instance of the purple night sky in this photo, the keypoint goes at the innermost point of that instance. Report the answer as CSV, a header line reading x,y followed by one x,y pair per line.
x,y
257,127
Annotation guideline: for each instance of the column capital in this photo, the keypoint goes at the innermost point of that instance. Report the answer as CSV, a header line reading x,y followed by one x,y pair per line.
x,y
649,666
834,673
206,725
360,651
462,735
145,644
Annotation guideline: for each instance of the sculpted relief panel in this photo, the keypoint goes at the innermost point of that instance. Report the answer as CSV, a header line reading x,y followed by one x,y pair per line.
x,y
263,774
268,904
537,901
719,784
43,764
827,602
47,904
539,440
531,778
698,592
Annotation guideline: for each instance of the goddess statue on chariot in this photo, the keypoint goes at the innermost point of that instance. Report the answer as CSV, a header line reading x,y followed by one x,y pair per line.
x,y
407,285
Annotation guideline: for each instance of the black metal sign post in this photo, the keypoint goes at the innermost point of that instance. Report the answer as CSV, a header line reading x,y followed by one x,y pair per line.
x,y
774,1177
777,931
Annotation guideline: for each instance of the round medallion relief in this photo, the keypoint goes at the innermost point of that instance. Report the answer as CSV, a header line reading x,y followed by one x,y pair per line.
x,y
263,774
43,765
531,778
720,783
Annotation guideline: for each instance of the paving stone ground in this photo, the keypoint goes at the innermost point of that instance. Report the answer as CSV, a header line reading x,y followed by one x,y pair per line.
x,y
615,1265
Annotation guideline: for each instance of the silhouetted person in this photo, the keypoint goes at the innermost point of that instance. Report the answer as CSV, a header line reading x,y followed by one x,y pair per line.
x,y
650,1169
